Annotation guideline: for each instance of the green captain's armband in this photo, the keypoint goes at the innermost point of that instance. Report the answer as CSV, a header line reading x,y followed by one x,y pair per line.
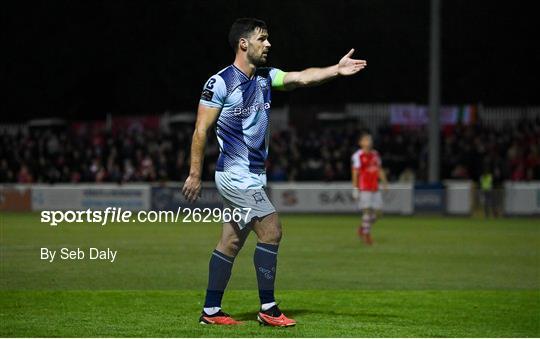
x,y
277,80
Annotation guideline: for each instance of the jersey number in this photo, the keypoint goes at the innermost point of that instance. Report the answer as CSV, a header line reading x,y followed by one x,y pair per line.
x,y
210,83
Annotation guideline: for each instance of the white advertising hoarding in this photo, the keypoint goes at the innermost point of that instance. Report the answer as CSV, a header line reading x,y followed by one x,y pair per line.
x,y
458,196
95,197
522,198
335,198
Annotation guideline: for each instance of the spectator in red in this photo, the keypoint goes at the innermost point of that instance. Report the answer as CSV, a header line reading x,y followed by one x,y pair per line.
x,y
24,176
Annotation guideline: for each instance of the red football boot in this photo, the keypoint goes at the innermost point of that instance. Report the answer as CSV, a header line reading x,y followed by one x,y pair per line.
x,y
219,318
274,317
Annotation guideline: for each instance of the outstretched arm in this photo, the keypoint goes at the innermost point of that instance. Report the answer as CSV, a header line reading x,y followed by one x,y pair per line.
x,y
316,76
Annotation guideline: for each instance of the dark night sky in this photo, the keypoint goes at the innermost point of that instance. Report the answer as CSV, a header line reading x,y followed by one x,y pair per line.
x,y
79,59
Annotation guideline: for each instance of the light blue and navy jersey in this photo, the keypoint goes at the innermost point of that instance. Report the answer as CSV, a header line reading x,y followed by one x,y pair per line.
x,y
242,125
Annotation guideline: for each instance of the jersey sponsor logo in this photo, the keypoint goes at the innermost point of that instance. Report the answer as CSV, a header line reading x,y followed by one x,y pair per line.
x,y
207,95
251,109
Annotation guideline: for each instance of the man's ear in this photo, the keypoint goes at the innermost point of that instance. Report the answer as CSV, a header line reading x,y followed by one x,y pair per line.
x,y
243,44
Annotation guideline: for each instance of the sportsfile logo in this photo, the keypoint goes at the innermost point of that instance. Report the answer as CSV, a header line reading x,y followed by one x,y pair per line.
x,y
251,109
119,215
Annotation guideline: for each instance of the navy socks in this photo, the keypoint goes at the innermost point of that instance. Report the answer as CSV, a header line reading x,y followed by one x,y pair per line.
x,y
220,271
265,260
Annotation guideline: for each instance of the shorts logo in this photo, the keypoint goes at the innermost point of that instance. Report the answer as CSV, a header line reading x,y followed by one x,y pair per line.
x,y
207,95
258,197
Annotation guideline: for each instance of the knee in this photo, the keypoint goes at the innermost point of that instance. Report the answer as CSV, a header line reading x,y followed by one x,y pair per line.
x,y
230,246
272,235
275,236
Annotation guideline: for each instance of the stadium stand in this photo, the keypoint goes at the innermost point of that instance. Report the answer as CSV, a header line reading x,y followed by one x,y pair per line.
x,y
52,155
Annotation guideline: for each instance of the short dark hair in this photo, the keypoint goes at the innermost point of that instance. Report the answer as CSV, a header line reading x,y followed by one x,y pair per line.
x,y
363,134
242,28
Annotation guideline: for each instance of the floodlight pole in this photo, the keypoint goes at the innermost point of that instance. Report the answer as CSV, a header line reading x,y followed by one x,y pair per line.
x,y
434,92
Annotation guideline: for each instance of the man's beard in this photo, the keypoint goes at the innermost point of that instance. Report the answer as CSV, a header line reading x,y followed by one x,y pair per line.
x,y
258,60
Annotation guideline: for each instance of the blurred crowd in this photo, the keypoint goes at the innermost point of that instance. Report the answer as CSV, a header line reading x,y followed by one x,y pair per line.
x,y
508,153
319,154
127,156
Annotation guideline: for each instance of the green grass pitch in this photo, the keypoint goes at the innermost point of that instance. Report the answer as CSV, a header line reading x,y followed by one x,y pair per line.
x,y
425,276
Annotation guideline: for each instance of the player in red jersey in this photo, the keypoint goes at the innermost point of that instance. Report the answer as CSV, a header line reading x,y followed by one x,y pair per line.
x,y
366,172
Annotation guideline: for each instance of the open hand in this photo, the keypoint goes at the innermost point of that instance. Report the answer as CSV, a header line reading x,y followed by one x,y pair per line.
x,y
348,66
192,189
